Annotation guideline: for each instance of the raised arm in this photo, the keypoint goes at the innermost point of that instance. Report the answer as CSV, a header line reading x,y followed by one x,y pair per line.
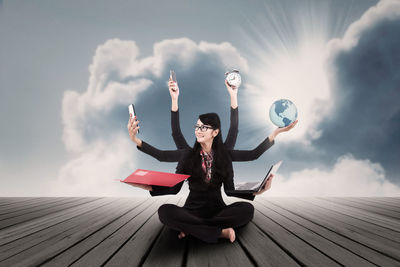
x,y
230,140
177,135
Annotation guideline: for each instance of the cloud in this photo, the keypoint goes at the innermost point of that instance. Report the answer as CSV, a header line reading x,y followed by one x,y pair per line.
x,y
385,10
348,177
355,111
95,121
365,119
81,113
93,171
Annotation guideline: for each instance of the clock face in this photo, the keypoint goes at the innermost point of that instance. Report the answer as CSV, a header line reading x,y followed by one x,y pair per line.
x,y
234,78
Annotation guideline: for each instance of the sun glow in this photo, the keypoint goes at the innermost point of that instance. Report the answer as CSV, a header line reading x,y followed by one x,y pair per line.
x,y
289,54
300,77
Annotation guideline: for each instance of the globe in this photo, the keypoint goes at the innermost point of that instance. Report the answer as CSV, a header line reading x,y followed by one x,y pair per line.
x,y
282,112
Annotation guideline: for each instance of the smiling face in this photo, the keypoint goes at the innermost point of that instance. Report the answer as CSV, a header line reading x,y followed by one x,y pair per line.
x,y
206,136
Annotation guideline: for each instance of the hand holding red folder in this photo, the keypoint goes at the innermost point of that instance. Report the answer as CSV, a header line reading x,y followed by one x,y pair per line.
x,y
143,186
145,178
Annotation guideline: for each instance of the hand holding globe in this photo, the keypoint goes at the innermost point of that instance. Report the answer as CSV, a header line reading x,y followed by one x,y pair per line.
x,y
283,113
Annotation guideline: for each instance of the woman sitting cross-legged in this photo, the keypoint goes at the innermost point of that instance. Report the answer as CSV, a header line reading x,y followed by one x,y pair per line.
x,y
180,140
204,214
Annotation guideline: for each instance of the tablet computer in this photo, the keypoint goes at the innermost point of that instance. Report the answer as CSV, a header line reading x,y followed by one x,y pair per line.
x,y
252,187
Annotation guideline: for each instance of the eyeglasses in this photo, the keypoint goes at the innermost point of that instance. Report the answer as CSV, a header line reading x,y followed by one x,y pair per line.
x,y
202,128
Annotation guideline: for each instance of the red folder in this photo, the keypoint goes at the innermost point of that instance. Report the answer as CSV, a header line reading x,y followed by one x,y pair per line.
x,y
155,178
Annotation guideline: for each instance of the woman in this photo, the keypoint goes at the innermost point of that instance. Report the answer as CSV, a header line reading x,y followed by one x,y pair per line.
x,y
204,214
177,135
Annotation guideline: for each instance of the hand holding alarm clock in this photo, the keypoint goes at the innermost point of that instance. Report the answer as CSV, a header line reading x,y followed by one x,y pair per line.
x,y
233,78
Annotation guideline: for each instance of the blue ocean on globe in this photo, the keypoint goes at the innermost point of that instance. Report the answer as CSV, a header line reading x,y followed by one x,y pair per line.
x,y
283,112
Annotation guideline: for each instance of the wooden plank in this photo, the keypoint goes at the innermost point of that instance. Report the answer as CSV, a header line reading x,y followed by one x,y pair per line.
x,y
376,210
133,235
5,201
382,201
383,245
222,253
394,200
73,253
18,231
292,244
168,249
48,209
320,243
26,206
19,245
368,202
260,247
379,231
390,234
355,247
377,219
53,244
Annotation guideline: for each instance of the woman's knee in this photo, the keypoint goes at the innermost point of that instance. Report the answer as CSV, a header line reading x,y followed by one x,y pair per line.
x,y
246,209
165,212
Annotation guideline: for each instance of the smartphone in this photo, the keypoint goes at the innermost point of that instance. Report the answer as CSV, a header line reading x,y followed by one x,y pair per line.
x,y
132,111
173,75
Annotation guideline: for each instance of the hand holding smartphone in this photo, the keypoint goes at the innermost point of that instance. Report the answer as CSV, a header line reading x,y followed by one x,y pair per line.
x,y
132,112
172,75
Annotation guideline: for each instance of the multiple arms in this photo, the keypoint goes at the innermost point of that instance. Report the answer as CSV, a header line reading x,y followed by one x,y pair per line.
x,y
177,135
175,155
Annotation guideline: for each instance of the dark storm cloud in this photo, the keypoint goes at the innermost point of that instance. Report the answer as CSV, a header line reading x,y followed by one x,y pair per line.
x,y
366,117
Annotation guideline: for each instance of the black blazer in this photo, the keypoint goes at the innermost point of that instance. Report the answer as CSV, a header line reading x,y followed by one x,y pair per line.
x,y
197,184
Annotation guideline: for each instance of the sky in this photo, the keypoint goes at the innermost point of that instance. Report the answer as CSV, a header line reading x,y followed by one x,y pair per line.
x,y
69,70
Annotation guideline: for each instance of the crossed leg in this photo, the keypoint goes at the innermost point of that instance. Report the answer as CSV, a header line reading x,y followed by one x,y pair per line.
x,y
233,215
181,219
207,229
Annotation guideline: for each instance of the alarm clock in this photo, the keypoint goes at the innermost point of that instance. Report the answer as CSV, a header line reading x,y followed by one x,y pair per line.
x,y
233,78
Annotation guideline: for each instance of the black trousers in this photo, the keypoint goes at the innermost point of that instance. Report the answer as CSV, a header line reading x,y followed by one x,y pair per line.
x,y
207,228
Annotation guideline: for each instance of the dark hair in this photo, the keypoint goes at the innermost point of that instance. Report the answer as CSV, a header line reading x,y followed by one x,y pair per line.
x,y
221,161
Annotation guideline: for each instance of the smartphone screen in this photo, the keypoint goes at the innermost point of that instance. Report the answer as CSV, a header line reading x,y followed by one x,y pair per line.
x,y
132,111
173,75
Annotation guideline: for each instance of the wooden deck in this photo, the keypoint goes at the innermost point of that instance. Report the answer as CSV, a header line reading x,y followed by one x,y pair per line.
x,y
127,232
